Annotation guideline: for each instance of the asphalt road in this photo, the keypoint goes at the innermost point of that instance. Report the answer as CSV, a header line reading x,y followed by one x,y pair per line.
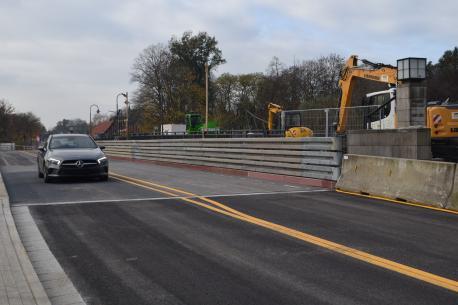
x,y
146,249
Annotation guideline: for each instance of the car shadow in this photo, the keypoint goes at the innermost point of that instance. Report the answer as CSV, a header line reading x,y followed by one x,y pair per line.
x,y
78,180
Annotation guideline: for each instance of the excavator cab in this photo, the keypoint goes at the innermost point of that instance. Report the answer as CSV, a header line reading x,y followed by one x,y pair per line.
x,y
290,119
193,122
290,122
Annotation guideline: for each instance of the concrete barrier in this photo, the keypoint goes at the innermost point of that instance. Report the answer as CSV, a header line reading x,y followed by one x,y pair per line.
x,y
317,158
418,181
452,203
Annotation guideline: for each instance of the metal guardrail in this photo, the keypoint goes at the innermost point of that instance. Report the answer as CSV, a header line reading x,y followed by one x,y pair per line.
x,y
316,157
7,146
25,147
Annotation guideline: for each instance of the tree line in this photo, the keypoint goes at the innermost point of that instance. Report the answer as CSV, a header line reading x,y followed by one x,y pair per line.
x,y
171,83
20,128
442,77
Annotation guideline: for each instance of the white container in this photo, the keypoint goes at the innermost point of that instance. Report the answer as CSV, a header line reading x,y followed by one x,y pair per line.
x,y
173,128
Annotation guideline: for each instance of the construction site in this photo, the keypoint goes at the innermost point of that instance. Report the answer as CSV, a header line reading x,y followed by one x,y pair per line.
x,y
383,115
228,152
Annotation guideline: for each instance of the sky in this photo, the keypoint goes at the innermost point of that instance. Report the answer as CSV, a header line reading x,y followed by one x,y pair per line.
x,y
58,57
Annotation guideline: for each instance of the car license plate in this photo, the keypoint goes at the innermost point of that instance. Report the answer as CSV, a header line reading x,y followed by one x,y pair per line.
x,y
455,115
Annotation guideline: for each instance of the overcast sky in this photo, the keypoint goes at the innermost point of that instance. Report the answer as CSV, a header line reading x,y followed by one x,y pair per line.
x,y
59,57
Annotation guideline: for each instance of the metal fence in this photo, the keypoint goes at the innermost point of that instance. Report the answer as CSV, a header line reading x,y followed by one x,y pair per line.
x,y
232,133
324,121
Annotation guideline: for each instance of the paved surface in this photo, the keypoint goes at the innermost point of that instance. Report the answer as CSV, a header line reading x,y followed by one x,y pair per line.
x,y
19,284
168,251
58,286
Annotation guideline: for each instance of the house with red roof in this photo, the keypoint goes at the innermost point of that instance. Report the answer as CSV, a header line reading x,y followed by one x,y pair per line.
x,y
102,129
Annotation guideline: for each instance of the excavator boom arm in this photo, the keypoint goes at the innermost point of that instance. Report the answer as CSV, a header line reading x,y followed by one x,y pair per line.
x,y
273,109
374,72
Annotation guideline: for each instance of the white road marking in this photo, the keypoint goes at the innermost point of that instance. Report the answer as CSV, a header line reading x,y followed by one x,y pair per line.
x,y
163,198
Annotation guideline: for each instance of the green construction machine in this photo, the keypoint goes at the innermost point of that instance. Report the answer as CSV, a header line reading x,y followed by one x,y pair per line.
x,y
195,124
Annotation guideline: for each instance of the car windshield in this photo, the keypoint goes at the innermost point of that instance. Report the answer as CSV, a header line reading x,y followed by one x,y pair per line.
x,y
71,142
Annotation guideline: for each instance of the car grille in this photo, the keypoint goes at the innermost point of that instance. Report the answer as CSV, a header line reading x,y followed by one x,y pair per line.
x,y
79,167
74,163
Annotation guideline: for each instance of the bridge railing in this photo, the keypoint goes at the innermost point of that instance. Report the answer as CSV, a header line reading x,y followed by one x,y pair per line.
x,y
7,146
315,157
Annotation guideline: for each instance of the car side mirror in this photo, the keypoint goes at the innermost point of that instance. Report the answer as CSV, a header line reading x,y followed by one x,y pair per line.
x,y
102,147
41,148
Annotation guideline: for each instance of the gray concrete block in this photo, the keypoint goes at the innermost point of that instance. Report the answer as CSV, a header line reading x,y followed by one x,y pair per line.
x,y
411,143
403,115
417,92
402,92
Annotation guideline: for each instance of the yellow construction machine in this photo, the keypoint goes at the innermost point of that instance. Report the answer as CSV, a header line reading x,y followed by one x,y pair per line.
x,y
377,72
290,122
441,118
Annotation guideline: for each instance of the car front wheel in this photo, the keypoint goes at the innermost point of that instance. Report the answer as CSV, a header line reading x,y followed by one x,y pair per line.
x,y
46,177
40,174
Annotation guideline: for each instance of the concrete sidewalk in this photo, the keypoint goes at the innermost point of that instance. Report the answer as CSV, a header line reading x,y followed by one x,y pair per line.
x,y
19,284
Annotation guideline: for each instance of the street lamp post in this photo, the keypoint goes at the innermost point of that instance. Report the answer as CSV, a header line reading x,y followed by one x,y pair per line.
x,y
90,117
117,111
127,114
206,97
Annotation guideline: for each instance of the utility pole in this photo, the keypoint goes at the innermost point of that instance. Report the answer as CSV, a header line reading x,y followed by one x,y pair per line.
x,y
127,114
206,97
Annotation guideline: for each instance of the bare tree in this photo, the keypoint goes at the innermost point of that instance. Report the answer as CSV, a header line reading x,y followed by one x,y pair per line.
x,y
150,71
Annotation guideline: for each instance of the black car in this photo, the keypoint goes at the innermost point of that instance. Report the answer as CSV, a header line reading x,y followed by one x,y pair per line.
x,y
71,155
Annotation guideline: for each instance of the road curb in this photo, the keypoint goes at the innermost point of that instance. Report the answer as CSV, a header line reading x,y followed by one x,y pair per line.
x,y
36,288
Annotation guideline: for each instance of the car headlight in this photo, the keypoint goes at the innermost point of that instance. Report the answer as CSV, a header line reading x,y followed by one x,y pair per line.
x,y
102,160
53,161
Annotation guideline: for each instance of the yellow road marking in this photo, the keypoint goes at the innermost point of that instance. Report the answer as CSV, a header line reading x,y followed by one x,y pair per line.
x,y
398,202
348,251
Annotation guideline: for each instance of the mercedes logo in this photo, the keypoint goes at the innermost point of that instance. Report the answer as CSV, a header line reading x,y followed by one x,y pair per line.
x,y
79,163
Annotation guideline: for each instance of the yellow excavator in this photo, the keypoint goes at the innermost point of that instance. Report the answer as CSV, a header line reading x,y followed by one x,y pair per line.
x,y
290,122
441,118
377,72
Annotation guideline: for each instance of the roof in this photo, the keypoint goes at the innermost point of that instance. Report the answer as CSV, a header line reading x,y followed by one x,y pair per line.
x,y
69,134
101,128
